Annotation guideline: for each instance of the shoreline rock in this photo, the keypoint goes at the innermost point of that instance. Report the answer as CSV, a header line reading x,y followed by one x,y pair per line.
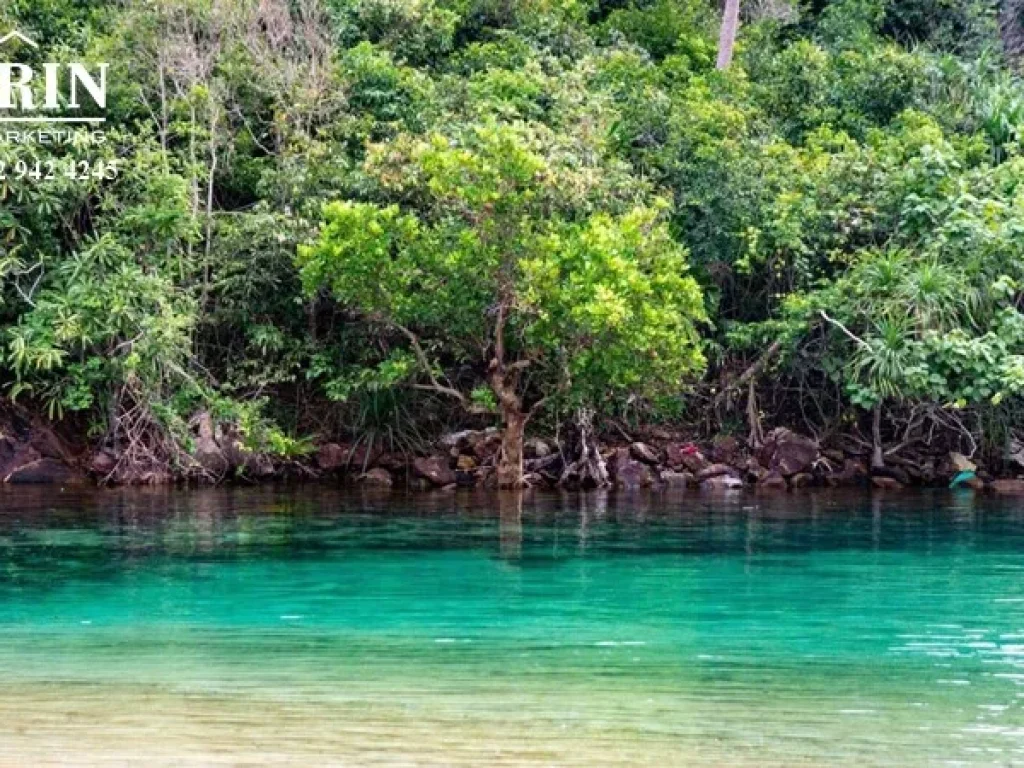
x,y
32,452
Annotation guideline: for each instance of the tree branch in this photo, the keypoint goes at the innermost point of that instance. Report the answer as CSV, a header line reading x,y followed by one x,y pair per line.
x,y
850,334
535,408
421,356
752,371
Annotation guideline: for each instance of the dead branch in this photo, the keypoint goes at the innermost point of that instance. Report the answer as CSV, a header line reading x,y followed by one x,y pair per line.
x,y
850,334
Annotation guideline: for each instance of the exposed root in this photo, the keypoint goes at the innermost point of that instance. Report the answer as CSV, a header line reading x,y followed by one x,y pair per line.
x,y
146,450
589,469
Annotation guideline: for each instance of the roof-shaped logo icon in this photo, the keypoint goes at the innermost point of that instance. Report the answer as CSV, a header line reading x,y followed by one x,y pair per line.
x,y
16,35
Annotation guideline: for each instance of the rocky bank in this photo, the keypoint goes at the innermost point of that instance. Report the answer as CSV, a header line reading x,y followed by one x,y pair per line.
x,y
784,461
31,451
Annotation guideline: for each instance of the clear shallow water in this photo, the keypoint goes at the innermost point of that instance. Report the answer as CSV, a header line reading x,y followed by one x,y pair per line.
x,y
311,627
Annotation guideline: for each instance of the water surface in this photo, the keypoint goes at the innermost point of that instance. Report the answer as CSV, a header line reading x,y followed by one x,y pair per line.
x,y
318,627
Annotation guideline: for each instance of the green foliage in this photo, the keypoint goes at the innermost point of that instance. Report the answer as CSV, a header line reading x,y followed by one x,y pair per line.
x,y
510,245
416,32
666,27
963,26
936,319
568,189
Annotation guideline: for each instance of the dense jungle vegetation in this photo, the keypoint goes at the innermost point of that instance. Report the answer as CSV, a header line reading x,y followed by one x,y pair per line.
x,y
380,219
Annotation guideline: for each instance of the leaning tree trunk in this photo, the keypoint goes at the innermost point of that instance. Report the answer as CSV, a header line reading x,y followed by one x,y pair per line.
x,y
727,35
510,459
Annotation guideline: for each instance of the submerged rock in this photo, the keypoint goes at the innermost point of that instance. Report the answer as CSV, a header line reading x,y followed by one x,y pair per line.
x,y
752,470
674,479
722,483
378,477
801,480
885,483
1015,487
435,469
715,470
787,452
394,462
773,481
331,456
627,472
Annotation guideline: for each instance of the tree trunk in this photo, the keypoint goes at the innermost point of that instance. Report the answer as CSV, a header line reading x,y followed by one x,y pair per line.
x,y
510,460
877,456
510,509
727,36
756,437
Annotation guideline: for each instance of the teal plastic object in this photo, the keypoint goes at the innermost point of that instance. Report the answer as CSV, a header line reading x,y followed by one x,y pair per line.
x,y
961,478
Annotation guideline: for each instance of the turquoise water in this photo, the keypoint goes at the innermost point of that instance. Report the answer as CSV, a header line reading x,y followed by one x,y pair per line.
x,y
315,627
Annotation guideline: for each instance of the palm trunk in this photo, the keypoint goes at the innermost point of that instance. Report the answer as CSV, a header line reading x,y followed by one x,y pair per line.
x,y
727,36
